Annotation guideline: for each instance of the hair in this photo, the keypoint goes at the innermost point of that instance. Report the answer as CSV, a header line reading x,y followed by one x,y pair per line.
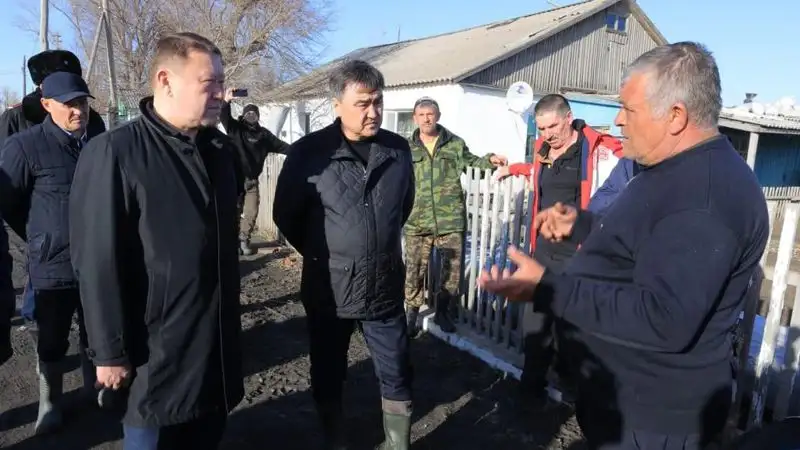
x,y
354,72
684,72
179,46
426,102
556,103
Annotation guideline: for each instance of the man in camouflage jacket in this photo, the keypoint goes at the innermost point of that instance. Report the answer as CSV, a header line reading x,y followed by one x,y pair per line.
x,y
438,217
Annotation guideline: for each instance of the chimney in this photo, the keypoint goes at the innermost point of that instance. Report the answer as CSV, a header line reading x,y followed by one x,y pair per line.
x,y
748,97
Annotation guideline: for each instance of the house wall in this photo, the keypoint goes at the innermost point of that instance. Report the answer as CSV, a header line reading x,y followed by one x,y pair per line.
x,y
478,114
778,160
321,114
585,56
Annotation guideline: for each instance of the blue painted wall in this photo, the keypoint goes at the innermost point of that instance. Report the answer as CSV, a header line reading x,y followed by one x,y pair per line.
x,y
778,160
596,111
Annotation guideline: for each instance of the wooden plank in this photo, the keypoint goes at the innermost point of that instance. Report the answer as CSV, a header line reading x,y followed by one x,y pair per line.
x,y
482,248
491,305
791,364
766,355
515,236
470,273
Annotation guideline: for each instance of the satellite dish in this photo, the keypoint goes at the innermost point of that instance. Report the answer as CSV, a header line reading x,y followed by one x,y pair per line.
x,y
519,97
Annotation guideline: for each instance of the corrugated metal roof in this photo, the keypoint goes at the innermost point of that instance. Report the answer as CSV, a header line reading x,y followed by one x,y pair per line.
x,y
453,56
774,122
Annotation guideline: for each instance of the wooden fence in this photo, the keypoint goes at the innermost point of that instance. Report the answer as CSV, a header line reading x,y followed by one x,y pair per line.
x,y
498,215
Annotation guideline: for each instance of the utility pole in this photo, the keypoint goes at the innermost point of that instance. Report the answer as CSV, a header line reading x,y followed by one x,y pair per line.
x,y
24,76
43,22
112,97
56,41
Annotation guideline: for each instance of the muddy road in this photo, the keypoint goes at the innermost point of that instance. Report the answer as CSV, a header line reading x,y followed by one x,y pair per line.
x,y
460,402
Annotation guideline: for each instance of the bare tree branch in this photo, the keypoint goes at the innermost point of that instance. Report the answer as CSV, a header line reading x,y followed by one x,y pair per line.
x,y
264,42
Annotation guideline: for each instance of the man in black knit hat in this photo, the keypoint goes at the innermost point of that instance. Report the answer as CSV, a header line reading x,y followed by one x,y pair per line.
x,y
253,144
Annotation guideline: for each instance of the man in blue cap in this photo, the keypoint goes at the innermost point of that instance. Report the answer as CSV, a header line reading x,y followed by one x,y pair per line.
x,y
36,170
30,112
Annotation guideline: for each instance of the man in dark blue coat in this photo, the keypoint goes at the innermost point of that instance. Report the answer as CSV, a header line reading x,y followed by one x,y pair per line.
x,y
663,275
36,170
30,112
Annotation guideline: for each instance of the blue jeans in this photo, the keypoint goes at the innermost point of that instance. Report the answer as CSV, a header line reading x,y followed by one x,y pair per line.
x,y
28,302
204,433
388,345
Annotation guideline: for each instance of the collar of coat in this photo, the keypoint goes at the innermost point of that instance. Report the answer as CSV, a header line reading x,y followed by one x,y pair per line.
x,y
445,136
334,134
205,135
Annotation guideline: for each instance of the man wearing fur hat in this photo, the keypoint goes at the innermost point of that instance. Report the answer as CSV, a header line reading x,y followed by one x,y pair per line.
x,y
253,144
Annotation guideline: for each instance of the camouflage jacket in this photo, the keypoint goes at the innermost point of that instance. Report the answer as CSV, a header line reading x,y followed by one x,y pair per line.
x,y
439,203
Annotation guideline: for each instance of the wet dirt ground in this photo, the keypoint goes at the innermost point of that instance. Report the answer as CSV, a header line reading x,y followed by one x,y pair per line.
x,y
460,402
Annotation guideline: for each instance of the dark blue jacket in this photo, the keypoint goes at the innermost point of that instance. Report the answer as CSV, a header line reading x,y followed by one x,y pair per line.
x,y
656,287
36,169
619,177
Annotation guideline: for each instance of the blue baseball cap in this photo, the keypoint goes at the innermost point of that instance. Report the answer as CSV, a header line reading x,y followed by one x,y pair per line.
x,y
64,87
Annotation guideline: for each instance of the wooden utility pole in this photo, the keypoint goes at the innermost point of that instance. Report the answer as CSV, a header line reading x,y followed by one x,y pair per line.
x,y
24,75
112,78
44,17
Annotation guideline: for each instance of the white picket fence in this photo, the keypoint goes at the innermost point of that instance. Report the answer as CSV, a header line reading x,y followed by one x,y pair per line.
x,y
498,215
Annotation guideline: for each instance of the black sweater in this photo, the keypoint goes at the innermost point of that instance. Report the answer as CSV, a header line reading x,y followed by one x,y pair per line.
x,y
657,285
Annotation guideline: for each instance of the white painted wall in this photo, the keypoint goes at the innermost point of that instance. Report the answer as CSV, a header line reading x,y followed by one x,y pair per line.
x,y
479,115
486,124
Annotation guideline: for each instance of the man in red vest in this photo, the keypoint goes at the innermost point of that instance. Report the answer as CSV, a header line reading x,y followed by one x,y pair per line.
x,y
570,161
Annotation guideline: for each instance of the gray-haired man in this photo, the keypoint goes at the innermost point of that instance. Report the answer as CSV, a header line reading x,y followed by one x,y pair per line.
x,y
663,275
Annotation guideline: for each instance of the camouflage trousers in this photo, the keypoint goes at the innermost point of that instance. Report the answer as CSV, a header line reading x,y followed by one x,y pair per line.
x,y
418,249
248,209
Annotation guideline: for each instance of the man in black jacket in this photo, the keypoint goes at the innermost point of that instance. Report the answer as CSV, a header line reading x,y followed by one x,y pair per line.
x,y
36,171
661,278
7,297
29,113
253,144
341,200
154,233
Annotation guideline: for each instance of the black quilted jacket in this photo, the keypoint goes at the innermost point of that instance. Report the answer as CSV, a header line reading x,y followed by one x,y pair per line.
x,y
346,220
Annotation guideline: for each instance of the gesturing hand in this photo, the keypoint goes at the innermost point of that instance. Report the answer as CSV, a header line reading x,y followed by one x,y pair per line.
x,y
518,286
555,223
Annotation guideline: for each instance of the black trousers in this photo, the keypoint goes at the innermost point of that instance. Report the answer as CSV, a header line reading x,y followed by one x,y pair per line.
x,y
53,314
388,344
541,332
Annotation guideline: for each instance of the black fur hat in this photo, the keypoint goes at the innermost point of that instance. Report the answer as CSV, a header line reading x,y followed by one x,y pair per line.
x,y
43,64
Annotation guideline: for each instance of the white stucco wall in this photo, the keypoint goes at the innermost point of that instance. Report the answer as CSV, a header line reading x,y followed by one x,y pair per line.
x,y
479,115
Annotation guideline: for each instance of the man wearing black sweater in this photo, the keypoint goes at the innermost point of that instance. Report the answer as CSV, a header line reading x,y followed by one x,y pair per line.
x,y
660,279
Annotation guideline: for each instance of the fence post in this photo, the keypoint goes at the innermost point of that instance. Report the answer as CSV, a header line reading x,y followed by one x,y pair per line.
x,y
766,355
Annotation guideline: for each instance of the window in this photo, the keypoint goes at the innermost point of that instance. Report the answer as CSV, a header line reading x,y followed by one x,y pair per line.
x,y
616,22
400,122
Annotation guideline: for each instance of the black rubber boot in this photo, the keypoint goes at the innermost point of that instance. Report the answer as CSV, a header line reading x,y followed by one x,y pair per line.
x,y
442,317
412,318
330,417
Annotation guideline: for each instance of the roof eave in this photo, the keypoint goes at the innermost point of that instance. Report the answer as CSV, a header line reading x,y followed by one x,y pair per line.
x,y
755,128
